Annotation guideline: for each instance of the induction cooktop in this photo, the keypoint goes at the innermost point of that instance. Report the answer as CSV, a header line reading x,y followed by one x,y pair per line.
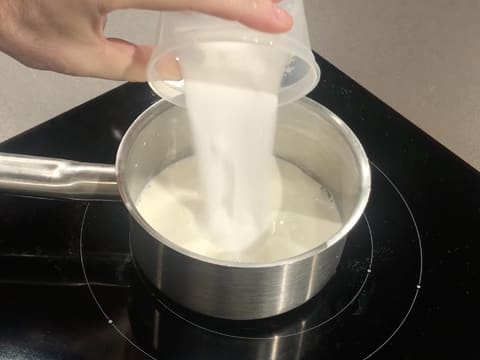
x,y
406,286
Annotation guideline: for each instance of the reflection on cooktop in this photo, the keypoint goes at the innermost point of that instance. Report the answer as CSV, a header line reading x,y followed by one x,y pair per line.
x,y
372,290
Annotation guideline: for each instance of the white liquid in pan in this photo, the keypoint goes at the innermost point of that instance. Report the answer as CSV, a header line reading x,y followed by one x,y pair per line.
x,y
301,213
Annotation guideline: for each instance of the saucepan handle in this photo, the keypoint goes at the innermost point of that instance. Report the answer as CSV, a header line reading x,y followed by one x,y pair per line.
x,y
56,178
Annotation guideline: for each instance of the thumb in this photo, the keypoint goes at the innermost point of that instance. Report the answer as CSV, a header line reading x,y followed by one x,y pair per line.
x,y
117,59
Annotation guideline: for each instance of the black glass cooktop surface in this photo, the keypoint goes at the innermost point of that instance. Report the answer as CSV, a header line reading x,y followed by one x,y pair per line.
x,y
406,286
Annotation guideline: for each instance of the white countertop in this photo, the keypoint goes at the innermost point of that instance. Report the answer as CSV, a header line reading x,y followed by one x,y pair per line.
x,y
420,57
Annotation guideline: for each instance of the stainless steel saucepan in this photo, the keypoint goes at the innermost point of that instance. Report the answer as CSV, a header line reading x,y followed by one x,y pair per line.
x,y
308,135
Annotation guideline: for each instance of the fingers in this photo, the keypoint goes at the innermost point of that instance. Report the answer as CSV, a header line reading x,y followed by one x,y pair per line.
x,y
115,59
263,15
125,61
166,68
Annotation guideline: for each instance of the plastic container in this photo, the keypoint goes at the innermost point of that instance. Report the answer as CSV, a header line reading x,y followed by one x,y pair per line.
x,y
188,40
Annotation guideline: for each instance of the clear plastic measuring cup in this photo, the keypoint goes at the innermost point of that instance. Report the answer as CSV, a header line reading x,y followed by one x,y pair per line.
x,y
186,37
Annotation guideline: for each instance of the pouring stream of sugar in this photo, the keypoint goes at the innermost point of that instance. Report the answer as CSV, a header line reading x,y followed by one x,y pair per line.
x,y
231,94
233,200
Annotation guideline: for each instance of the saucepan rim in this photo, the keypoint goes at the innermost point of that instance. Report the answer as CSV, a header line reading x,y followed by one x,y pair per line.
x,y
161,106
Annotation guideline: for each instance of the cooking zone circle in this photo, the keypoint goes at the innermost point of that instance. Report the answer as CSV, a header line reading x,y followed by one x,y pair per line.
x,y
363,306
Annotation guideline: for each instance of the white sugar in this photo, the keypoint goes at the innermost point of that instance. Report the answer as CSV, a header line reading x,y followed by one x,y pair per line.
x,y
231,96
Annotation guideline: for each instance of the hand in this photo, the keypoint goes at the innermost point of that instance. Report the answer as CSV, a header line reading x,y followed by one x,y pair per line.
x,y
67,36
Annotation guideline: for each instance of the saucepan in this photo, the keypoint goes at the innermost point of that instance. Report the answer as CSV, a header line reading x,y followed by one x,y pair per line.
x,y
308,135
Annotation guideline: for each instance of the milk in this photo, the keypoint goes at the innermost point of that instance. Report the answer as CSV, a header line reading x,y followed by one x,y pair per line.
x,y
233,201
301,213
231,97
